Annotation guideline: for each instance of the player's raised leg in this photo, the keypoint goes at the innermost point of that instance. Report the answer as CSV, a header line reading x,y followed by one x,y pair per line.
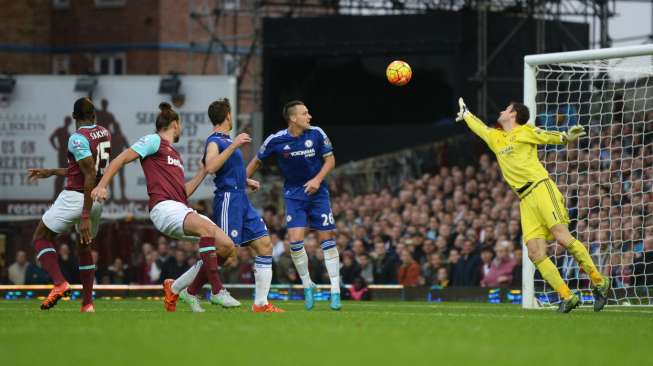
x,y
212,240
332,263
601,285
46,255
537,254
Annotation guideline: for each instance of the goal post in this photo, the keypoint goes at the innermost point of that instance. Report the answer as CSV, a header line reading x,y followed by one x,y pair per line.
x,y
606,177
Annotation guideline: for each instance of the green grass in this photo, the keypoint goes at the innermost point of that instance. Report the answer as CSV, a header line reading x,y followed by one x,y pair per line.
x,y
139,332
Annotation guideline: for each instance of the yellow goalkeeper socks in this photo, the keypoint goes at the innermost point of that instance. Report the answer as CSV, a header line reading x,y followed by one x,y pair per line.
x,y
582,256
551,275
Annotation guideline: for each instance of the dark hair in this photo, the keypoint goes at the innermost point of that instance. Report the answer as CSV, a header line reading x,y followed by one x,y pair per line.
x,y
522,112
219,110
166,116
287,109
84,110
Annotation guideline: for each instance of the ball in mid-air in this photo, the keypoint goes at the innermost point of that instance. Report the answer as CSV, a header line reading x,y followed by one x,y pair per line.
x,y
398,73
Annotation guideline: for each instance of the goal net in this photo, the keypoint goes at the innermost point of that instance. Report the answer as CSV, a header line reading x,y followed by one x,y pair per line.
x,y
607,176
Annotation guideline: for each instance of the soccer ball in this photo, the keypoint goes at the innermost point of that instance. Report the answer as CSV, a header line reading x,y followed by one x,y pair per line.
x,y
398,73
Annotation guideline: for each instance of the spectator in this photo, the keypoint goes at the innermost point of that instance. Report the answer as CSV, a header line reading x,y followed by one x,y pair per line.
x,y
68,264
517,270
367,268
431,268
284,268
174,269
350,270
230,271
278,247
117,272
245,267
18,269
500,274
359,290
36,275
466,269
408,271
385,269
486,261
643,271
443,278
164,257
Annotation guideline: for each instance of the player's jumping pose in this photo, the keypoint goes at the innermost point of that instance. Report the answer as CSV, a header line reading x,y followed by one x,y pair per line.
x,y
232,210
305,156
169,211
542,207
88,154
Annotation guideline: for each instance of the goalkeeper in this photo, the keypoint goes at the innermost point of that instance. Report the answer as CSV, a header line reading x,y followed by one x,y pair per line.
x,y
543,212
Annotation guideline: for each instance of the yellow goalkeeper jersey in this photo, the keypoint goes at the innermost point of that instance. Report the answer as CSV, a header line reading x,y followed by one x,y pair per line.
x,y
516,151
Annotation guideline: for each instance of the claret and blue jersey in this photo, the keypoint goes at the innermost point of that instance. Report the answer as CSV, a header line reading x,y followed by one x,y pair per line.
x,y
300,159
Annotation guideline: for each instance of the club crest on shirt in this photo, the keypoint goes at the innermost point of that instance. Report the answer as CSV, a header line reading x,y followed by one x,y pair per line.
x,y
288,218
308,143
234,233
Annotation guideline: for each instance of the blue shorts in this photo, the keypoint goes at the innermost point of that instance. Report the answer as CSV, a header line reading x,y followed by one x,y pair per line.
x,y
315,213
236,216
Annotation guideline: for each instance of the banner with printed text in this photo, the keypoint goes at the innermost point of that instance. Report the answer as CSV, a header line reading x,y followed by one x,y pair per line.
x,y
36,122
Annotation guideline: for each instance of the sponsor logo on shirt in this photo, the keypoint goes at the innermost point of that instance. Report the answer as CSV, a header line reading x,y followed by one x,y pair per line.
x,y
307,153
506,150
286,147
175,162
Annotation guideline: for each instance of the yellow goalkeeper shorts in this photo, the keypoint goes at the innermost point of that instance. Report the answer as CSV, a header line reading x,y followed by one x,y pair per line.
x,y
542,207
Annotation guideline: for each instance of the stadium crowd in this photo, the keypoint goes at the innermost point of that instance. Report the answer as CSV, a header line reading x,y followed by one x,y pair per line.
x,y
458,226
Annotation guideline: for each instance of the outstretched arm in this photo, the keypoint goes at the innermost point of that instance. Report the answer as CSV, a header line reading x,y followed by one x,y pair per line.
x,y
35,174
538,136
125,157
474,123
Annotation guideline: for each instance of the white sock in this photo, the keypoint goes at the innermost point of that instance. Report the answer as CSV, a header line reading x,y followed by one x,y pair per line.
x,y
263,278
332,263
187,278
300,259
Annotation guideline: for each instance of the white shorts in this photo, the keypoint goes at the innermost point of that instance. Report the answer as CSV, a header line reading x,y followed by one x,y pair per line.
x,y
168,217
66,211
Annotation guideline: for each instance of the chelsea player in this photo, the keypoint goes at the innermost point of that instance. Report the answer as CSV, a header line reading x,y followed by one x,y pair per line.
x,y
305,157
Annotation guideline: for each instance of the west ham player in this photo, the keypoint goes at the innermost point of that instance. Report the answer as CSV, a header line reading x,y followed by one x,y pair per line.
x,y
88,154
169,211
231,208
305,156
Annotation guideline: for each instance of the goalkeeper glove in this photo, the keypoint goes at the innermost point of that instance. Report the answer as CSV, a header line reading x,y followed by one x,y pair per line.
x,y
575,132
463,109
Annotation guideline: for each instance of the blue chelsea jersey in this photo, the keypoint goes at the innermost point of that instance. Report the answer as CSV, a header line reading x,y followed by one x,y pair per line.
x,y
300,158
232,175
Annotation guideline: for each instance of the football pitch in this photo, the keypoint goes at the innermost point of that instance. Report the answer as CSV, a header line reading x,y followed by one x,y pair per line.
x,y
139,332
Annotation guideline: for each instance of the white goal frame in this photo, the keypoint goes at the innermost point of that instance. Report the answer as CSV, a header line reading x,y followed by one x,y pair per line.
x,y
530,92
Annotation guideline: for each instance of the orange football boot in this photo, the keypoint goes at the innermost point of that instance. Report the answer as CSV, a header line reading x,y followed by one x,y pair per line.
x,y
170,299
269,308
57,292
